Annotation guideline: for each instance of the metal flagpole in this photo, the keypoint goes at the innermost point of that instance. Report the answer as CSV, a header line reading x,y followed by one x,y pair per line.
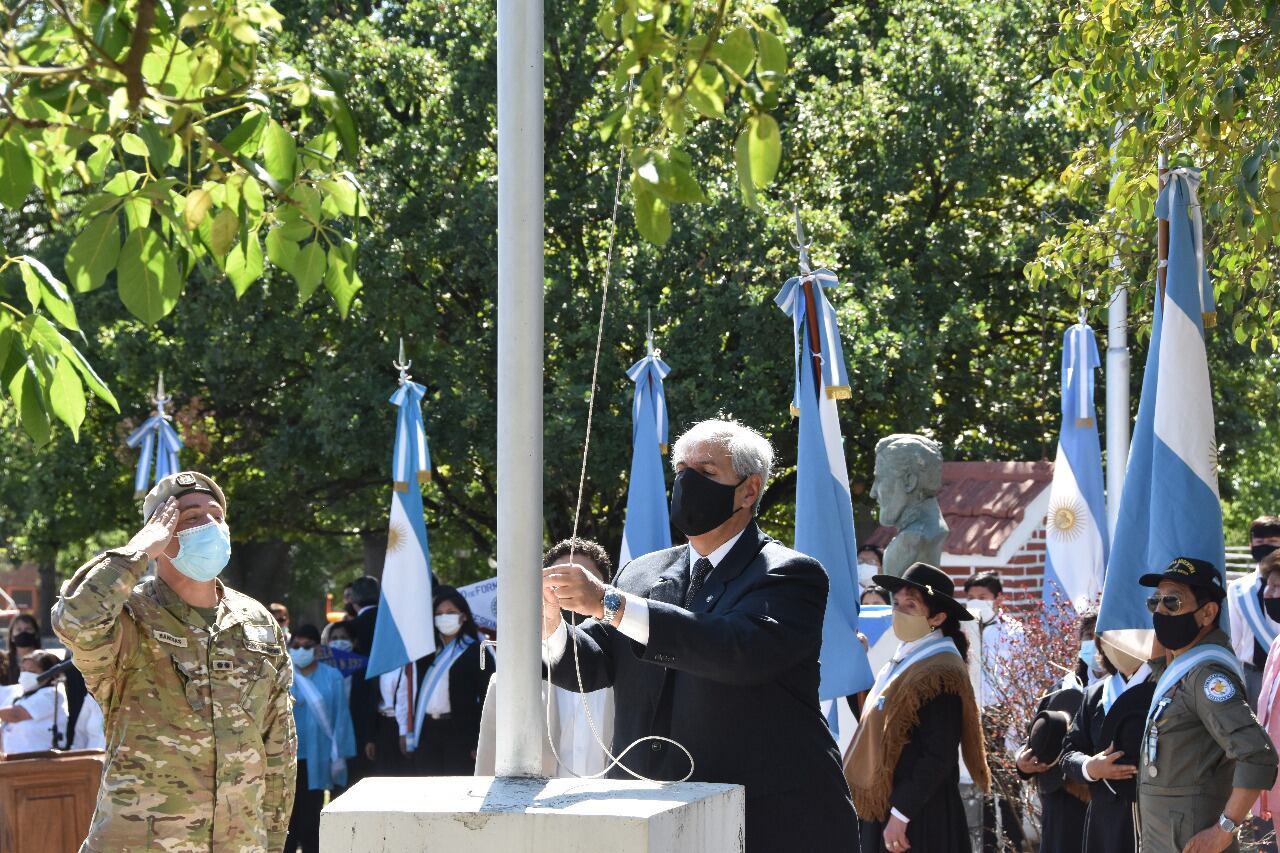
x,y
1117,387
810,306
520,283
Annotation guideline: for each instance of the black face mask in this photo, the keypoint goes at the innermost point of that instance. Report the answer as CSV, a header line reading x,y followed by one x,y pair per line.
x,y
1261,550
1272,606
26,639
1176,632
699,504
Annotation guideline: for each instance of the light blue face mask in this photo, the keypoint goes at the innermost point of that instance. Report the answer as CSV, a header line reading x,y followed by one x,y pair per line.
x,y
1088,652
203,551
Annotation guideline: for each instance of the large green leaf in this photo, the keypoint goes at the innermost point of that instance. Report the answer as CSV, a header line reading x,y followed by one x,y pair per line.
x,y
653,217
761,143
24,390
88,374
66,396
53,294
94,252
279,153
340,278
244,263
147,276
771,64
737,51
16,177
309,269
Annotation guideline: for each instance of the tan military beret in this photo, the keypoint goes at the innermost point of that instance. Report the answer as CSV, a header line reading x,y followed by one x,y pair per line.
x,y
177,485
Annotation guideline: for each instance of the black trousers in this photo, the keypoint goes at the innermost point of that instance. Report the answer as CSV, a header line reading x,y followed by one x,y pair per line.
x,y
304,823
388,761
445,749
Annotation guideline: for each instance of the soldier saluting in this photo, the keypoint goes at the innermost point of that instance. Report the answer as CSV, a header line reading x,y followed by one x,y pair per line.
x,y
193,679
1204,757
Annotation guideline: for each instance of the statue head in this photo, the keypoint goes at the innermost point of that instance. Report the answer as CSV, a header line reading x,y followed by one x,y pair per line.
x,y
908,471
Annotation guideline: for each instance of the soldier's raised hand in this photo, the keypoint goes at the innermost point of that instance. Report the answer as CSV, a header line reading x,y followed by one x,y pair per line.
x,y
155,535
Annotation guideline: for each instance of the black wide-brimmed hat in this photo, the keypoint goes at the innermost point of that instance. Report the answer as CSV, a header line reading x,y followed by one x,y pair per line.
x,y
1125,726
1191,572
1048,731
938,588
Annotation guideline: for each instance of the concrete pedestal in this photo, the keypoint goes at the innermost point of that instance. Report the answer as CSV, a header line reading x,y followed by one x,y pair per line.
x,y
478,814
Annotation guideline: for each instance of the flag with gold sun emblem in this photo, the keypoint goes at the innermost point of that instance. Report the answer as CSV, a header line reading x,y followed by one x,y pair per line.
x,y
404,629
1075,533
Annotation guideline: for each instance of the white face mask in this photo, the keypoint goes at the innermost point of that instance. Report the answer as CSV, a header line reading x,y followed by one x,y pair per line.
x,y
28,681
448,624
983,609
866,571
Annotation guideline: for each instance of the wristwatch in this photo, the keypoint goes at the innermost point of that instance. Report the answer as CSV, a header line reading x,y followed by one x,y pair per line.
x,y
612,602
1227,825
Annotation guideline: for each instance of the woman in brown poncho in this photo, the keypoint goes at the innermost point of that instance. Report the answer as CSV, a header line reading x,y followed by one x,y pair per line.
x,y
903,766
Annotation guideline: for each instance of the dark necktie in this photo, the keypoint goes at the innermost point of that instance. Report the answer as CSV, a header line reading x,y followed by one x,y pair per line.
x,y
701,569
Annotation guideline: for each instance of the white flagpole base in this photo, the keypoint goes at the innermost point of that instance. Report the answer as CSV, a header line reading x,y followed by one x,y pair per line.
x,y
482,814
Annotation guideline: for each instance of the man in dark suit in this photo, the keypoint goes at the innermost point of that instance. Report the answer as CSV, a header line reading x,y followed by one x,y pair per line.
x,y
363,701
715,645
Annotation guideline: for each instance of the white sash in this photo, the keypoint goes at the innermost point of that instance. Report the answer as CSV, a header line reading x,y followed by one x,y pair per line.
x,y
311,696
1186,662
935,646
444,659
1245,600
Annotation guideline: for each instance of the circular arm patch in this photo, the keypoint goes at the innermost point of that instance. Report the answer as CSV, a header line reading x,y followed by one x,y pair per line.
x,y
1218,688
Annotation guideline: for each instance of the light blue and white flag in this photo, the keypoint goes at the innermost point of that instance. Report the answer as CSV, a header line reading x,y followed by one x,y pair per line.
x,y
405,628
1170,505
1075,528
160,444
648,524
824,509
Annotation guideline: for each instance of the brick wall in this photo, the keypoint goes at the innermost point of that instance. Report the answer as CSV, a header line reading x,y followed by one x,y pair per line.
x,y
1023,577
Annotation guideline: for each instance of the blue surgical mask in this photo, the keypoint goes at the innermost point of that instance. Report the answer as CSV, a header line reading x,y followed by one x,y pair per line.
x,y
302,658
340,645
203,551
1088,651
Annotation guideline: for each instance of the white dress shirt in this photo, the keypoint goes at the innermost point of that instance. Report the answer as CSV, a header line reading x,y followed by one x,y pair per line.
x,y
575,743
36,734
635,613
1242,638
999,637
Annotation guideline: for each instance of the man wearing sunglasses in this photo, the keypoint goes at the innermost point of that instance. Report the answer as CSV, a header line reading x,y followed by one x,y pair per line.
x,y
1204,757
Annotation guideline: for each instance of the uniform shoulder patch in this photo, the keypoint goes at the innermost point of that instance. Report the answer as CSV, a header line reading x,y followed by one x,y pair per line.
x,y
1218,688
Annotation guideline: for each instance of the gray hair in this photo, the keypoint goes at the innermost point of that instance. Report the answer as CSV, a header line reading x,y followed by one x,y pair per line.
x,y
749,451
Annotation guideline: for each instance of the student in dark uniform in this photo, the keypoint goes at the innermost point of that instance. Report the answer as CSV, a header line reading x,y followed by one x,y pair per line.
x,y
1091,758
903,766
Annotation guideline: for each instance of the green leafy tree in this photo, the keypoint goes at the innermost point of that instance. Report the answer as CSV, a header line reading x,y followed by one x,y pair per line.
x,y
163,137
1199,81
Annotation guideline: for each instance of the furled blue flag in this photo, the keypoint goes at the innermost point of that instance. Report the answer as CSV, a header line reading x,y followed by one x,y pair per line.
x,y
404,630
1169,507
648,525
1076,524
160,444
824,509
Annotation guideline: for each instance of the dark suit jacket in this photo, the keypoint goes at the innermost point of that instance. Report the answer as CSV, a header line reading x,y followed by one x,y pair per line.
x,y
468,684
735,680
364,692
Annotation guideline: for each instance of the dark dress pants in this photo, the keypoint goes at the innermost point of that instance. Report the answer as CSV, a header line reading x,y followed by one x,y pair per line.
x,y
304,823
445,749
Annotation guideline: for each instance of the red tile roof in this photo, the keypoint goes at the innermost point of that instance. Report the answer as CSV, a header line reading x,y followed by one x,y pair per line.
x,y
983,503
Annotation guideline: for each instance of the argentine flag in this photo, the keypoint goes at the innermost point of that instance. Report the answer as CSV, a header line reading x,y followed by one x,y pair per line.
x,y
1170,506
824,510
1074,530
405,628
648,524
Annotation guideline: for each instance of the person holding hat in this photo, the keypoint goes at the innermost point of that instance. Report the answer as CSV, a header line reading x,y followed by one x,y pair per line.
x,y
1062,801
1101,749
194,680
903,766
1204,758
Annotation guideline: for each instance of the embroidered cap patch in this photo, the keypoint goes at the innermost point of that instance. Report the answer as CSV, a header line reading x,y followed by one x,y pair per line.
x,y
1218,688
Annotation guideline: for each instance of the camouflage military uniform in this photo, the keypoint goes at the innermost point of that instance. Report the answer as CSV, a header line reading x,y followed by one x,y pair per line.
x,y
201,748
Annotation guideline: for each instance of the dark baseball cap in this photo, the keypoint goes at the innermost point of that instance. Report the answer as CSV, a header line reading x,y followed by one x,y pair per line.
x,y
1190,572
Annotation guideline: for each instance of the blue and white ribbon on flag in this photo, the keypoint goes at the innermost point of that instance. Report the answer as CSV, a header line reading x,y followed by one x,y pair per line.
x,y
1075,528
824,509
648,524
1170,505
161,442
404,630
791,300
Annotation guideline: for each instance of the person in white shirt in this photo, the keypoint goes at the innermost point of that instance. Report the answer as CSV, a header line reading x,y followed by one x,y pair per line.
x,y
1001,634
28,725
572,715
1253,626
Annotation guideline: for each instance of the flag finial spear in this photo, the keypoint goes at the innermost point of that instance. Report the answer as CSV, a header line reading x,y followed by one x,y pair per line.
x,y
802,245
402,364
648,330
160,399
1081,315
